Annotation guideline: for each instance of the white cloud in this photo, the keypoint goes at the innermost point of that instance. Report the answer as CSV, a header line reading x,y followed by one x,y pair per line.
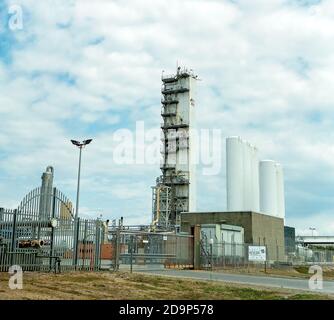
x,y
85,68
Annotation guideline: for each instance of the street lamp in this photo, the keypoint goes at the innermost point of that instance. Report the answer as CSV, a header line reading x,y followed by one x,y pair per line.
x,y
312,229
80,145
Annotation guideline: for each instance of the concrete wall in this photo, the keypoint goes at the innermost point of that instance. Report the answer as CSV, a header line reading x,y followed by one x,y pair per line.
x,y
258,228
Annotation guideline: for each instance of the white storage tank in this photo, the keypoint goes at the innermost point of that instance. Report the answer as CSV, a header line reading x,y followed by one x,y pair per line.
x,y
247,171
255,180
234,174
268,187
280,191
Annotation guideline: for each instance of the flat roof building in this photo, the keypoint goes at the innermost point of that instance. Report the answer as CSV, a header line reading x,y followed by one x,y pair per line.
x,y
259,229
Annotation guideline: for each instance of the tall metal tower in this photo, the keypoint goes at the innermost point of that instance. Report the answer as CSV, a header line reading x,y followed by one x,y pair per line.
x,y
175,189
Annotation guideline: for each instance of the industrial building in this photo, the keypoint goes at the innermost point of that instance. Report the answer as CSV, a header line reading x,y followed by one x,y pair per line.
x,y
255,188
258,229
255,202
289,239
178,234
175,189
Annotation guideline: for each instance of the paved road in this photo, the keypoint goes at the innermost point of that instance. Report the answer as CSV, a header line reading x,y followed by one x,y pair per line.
x,y
277,282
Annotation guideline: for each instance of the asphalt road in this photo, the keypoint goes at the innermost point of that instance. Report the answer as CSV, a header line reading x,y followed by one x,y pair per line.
x,y
277,282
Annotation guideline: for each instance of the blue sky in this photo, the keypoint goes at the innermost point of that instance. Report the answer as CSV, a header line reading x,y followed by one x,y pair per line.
x,y
83,69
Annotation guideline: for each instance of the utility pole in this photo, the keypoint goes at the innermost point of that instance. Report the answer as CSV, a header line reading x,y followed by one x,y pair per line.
x,y
80,145
312,229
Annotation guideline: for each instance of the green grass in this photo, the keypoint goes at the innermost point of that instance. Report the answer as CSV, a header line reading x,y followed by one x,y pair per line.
x,y
122,285
306,296
302,269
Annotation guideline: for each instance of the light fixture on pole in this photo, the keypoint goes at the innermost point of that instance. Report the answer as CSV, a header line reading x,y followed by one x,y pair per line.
x,y
312,229
80,145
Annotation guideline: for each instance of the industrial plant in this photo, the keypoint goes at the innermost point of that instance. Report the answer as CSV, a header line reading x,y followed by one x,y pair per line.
x,y
175,191
44,233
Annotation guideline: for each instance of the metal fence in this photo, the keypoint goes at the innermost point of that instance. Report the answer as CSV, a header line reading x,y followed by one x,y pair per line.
x,y
312,254
137,250
42,235
226,254
234,255
62,243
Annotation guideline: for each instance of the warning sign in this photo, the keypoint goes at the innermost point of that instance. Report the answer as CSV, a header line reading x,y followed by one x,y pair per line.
x,y
257,253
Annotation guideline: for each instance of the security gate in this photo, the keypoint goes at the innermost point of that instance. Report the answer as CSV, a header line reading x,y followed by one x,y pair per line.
x,y
43,235
137,250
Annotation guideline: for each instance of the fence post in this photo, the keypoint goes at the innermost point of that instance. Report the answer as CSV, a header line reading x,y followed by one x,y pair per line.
x,y
53,214
117,246
97,245
197,247
84,245
76,242
211,254
246,255
224,252
13,236
131,253
2,249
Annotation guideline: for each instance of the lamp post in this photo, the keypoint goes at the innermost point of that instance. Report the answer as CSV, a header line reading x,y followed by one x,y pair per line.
x,y
80,145
312,229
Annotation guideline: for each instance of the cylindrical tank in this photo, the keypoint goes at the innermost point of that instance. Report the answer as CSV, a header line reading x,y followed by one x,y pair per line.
x,y
247,171
268,187
255,180
46,194
234,174
280,191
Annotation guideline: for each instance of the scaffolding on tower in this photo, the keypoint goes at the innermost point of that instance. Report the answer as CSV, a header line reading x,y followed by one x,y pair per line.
x,y
174,189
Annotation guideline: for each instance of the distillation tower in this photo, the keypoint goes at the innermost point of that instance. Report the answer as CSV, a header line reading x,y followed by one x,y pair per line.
x,y
175,189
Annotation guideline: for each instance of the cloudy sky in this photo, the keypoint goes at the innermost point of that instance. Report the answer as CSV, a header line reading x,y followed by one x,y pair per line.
x,y
85,69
